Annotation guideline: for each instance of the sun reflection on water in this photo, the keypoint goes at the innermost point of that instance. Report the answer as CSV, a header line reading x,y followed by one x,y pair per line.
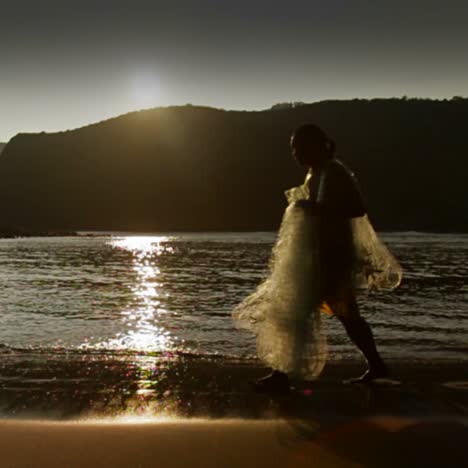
x,y
142,328
143,335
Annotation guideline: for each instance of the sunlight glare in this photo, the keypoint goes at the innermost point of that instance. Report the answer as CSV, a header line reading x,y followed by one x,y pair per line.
x,y
145,90
143,332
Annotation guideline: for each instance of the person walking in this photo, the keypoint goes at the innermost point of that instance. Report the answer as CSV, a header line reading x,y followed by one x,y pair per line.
x,y
326,253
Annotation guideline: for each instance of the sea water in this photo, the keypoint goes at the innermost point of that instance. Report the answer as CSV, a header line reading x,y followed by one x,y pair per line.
x,y
174,293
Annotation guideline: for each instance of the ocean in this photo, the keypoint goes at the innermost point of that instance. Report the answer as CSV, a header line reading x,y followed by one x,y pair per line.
x,y
121,325
174,293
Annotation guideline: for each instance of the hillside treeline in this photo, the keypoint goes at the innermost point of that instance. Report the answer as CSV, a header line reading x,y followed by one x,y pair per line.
x,y
195,168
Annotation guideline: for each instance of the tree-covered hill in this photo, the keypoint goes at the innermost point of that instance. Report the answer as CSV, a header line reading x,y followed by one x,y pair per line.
x,y
196,168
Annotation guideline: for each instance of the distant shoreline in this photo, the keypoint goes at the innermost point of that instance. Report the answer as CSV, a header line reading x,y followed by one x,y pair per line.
x,y
13,233
243,231
7,233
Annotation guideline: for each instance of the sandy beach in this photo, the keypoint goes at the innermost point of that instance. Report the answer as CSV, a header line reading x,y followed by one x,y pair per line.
x,y
379,442
372,442
203,412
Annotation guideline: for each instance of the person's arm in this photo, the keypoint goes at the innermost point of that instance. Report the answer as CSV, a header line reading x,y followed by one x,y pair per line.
x,y
325,209
313,207
339,196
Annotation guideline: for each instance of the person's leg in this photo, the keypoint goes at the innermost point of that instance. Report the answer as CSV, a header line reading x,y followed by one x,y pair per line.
x,y
361,335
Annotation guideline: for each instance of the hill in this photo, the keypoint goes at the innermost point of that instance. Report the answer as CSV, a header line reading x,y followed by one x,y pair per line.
x,y
196,168
2,145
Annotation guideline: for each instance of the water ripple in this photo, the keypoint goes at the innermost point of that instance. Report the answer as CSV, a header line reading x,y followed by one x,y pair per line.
x,y
176,292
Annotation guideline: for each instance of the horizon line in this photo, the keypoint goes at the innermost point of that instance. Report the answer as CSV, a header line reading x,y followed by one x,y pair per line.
x,y
273,107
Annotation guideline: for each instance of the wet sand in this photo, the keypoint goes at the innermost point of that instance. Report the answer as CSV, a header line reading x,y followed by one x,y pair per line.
x,y
184,410
80,385
371,442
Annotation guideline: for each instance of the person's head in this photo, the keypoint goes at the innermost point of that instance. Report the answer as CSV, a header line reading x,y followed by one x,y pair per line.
x,y
311,146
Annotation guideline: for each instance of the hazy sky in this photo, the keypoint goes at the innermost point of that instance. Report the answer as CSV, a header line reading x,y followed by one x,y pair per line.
x,y
64,63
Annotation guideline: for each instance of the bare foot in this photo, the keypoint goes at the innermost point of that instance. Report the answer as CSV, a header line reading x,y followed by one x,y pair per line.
x,y
380,372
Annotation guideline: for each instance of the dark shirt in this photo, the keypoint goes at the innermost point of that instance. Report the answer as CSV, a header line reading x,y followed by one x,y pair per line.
x,y
337,193
337,199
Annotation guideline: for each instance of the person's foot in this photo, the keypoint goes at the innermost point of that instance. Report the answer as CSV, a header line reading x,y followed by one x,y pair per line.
x,y
373,373
276,382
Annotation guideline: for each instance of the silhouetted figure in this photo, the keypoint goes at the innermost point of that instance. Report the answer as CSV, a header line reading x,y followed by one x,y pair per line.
x,y
326,252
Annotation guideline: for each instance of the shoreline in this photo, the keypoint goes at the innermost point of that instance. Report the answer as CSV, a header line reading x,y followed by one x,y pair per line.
x,y
88,386
13,233
16,233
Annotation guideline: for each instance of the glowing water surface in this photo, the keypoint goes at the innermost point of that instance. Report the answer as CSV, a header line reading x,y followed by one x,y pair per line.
x,y
129,328
142,322
166,294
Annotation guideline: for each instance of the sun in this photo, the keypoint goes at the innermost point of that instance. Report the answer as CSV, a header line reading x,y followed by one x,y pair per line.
x,y
145,89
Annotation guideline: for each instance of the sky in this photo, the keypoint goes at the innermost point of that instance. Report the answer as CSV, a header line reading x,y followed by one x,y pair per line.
x,y
65,64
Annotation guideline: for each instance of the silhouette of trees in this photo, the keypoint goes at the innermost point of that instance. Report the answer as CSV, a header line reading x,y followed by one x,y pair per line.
x,y
197,168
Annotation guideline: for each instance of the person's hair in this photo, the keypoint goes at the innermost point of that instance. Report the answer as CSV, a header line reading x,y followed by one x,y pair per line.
x,y
309,133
